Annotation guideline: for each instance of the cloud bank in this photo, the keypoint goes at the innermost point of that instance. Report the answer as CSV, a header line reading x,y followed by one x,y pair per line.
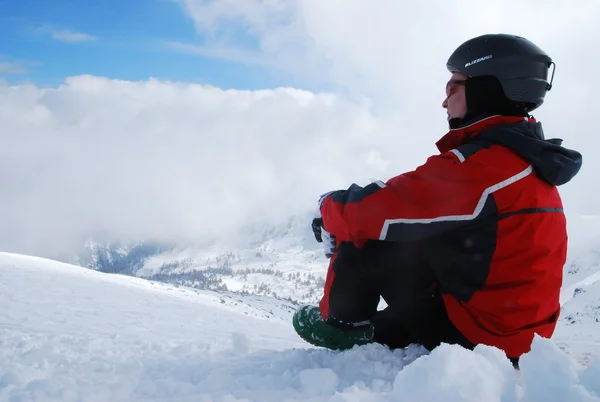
x,y
394,55
171,161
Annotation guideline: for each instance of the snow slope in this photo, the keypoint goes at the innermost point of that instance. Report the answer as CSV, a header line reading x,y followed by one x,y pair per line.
x,y
70,334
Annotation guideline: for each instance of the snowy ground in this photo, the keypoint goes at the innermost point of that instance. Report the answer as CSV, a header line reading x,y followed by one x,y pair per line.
x,y
70,334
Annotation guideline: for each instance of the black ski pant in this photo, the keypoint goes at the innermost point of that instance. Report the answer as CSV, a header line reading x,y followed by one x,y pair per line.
x,y
397,273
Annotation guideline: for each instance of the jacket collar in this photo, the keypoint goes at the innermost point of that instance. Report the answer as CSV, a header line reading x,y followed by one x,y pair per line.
x,y
458,136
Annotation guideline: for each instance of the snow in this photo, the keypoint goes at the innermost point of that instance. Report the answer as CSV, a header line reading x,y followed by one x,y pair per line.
x,y
73,334
460,375
552,376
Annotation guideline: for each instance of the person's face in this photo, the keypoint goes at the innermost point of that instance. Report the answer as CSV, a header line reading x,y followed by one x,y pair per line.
x,y
456,100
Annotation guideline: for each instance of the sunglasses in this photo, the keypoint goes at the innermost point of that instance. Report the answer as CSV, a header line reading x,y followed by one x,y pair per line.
x,y
453,83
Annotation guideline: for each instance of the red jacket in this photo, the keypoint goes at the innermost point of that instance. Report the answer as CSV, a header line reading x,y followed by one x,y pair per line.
x,y
489,209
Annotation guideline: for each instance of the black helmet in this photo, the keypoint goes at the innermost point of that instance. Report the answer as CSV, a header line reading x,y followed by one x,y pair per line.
x,y
520,66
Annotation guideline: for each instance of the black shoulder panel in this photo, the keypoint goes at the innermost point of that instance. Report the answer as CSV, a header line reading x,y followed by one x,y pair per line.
x,y
469,149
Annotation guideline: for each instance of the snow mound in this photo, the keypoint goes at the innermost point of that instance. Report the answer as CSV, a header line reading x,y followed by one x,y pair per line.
x,y
461,375
550,375
70,334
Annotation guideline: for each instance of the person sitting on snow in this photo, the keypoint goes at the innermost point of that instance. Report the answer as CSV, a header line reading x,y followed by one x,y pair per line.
x,y
468,248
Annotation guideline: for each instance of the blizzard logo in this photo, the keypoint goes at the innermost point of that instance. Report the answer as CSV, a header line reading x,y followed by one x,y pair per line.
x,y
489,56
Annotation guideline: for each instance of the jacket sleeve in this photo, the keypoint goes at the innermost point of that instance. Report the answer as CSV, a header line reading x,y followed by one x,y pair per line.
x,y
442,194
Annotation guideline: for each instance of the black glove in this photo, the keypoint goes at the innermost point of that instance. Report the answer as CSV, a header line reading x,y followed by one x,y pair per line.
x,y
321,235
317,225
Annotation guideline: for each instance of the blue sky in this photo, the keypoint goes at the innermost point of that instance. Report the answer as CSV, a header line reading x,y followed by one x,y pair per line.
x,y
45,41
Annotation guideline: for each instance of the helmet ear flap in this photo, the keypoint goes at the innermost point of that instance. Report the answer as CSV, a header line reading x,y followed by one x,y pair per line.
x,y
485,96
533,89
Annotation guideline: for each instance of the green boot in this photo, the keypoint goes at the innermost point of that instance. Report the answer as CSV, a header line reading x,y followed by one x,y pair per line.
x,y
309,324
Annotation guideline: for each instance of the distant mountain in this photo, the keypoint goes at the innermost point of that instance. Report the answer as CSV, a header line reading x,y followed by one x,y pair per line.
x,y
118,258
282,261
580,316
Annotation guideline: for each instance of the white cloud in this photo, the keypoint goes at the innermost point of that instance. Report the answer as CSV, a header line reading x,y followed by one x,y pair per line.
x,y
65,35
394,53
171,160
217,52
10,67
175,161
388,49
72,37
